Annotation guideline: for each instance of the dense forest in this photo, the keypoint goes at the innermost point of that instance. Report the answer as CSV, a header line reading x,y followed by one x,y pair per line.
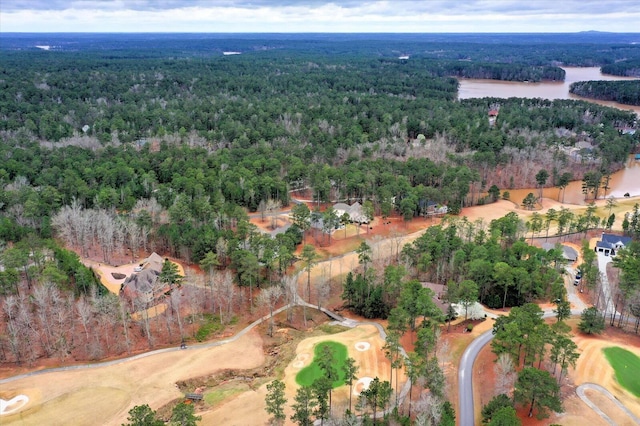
x,y
203,138
624,92
628,68
114,146
497,263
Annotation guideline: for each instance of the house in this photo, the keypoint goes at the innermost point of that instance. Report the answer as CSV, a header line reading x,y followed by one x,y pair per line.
x,y
627,130
569,253
609,244
143,285
431,208
354,211
494,110
439,298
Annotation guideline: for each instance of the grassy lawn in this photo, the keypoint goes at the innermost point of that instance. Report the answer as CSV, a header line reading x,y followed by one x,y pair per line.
x,y
627,367
310,373
225,391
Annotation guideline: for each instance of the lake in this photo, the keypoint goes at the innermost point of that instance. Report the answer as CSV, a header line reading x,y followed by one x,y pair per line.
x,y
476,88
622,182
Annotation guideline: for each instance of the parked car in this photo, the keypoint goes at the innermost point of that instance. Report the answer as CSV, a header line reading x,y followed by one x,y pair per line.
x,y
577,281
137,269
578,274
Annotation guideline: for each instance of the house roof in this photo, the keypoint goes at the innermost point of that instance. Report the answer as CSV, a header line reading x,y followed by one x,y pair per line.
x,y
439,290
354,211
568,253
154,261
143,281
612,241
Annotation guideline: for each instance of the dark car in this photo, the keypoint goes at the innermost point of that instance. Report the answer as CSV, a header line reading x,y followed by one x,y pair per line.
x,y
578,274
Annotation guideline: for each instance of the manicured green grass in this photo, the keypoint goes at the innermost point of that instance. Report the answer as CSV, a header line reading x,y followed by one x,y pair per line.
x,y
310,373
627,367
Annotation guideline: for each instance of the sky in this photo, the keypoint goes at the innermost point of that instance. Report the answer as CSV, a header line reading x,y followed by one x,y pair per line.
x,y
397,16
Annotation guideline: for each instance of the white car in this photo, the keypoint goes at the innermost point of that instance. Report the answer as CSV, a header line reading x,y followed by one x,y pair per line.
x,y
137,269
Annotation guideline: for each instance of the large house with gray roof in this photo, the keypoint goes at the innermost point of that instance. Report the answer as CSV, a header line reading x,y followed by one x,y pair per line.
x,y
609,244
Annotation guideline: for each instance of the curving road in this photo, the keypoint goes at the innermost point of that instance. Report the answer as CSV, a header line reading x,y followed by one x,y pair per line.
x,y
465,373
465,381
592,386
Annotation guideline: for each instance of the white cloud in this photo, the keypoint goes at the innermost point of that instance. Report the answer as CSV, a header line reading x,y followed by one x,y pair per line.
x,y
318,16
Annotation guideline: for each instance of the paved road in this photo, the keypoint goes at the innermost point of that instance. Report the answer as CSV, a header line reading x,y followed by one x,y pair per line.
x,y
465,373
592,386
465,377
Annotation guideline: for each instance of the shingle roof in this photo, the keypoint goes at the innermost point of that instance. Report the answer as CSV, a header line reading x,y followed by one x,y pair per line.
x,y
612,241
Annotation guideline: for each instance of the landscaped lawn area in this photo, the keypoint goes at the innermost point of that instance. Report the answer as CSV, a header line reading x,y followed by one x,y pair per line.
x,y
627,367
310,373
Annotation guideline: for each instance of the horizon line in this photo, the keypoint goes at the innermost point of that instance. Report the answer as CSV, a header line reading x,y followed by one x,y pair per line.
x,y
317,32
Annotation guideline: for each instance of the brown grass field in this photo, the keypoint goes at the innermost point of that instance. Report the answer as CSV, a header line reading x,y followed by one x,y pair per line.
x,y
591,367
105,394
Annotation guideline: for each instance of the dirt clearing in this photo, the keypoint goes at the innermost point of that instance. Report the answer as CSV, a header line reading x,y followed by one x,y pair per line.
x,y
107,393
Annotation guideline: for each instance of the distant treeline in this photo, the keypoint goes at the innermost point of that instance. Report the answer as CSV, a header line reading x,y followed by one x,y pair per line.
x,y
499,71
630,68
624,92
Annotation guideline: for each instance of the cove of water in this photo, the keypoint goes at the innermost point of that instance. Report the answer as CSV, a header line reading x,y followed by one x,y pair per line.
x,y
476,88
625,181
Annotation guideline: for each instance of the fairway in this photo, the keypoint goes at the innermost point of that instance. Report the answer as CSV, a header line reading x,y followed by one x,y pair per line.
x,y
309,374
626,365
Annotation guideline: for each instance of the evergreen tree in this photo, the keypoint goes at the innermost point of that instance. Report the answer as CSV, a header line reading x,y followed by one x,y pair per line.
x,y
304,407
538,388
183,415
349,371
275,401
591,321
142,415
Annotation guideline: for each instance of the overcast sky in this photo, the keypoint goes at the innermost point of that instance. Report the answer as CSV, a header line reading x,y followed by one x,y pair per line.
x,y
319,15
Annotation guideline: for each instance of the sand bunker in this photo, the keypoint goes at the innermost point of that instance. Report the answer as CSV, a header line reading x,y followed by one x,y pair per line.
x,y
14,404
362,346
362,384
301,360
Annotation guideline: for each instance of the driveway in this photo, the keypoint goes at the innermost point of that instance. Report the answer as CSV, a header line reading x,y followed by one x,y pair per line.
x,y
608,306
572,291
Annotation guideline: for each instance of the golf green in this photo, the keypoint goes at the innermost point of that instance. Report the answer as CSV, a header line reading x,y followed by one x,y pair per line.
x,y
627,367
310,373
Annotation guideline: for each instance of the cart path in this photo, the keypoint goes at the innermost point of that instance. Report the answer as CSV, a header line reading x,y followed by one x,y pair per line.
x,y
580,390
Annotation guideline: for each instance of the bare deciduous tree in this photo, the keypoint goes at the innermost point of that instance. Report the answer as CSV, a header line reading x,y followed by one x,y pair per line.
x,y
323,286
505,374
269,298
444,352
85,314
224,292
271,208
290,285
429,410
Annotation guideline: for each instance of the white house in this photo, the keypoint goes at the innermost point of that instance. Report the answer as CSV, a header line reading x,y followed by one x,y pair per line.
x,y
609,244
